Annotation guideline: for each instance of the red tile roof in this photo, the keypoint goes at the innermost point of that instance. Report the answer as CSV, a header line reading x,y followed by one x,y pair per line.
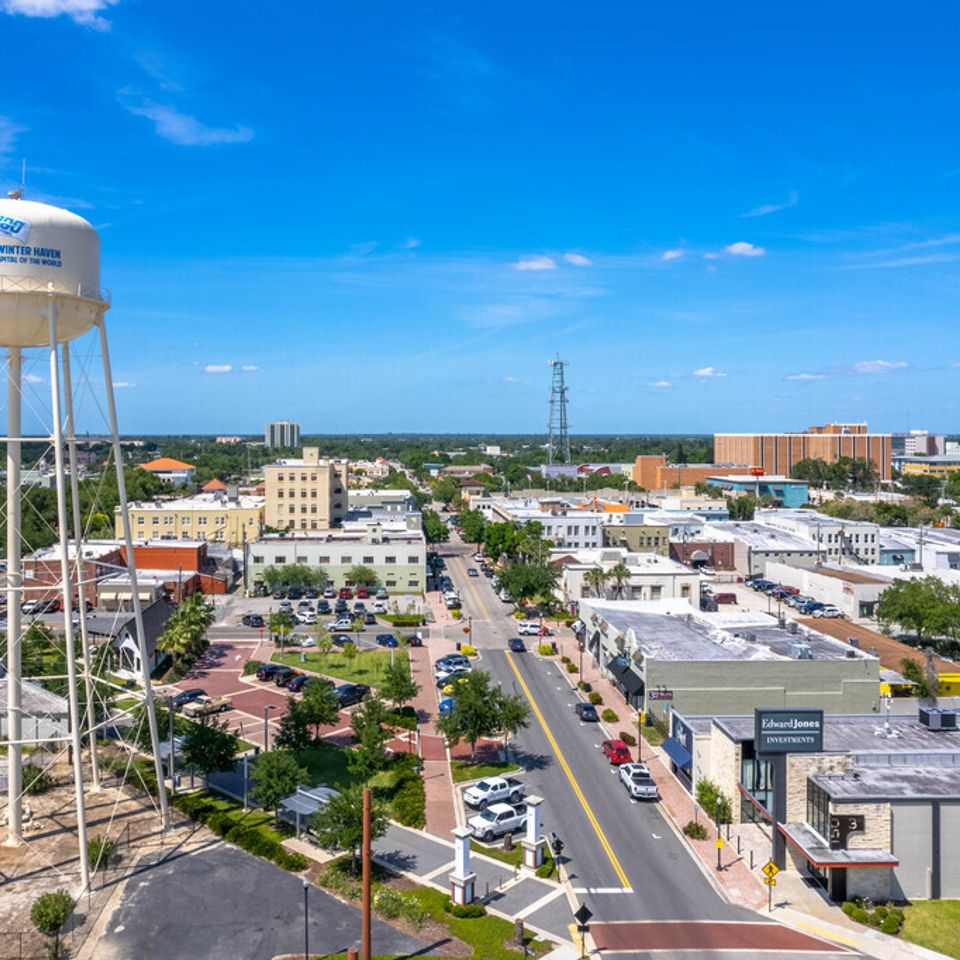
x,y
166,463
213,485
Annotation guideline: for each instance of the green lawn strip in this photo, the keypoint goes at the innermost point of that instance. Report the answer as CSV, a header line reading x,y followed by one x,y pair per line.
x,y
653,736
934,924
464,770
368,666
514,857
487,935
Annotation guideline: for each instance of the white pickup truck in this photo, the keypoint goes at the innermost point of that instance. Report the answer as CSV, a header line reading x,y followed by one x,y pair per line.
x,y
497,820
494,790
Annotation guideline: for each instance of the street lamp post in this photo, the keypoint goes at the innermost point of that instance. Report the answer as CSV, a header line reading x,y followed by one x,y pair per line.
x,y
266,727
719,838
306,920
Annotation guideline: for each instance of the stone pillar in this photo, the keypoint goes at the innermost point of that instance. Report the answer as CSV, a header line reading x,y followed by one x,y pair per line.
x,y
533,843
462,881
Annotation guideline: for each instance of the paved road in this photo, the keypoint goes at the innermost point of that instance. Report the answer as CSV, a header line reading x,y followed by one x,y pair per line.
x,y
625,860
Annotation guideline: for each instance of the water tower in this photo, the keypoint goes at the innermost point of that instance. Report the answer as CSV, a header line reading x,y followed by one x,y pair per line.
x,y
49,296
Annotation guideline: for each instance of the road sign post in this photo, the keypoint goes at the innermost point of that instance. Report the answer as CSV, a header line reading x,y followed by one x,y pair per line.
x,y
582,916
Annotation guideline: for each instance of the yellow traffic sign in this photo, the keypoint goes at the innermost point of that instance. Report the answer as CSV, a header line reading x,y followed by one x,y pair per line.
x,y
770,869
719,843
770,881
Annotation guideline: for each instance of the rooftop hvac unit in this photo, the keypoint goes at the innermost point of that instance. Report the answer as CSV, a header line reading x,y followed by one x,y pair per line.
x,y
936,719
854,642
801,651
793,627
750,635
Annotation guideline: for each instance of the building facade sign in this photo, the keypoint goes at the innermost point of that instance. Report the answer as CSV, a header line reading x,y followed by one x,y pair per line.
x,y
788,731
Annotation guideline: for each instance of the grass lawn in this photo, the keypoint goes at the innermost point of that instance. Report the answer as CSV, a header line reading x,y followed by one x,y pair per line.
x,y
652,736
464,770
934,924
367,666
512,857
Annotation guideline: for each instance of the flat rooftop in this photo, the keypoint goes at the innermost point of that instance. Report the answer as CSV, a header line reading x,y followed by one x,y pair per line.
x,y
758,536
849,575
672,630
877,783
749,478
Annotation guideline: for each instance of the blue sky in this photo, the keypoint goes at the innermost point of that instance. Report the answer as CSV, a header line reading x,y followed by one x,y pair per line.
x,y
387,217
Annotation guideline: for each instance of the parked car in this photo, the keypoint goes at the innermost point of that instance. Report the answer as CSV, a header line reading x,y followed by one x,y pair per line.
x,y
350,693
266,671
515,645
283,676
414,640
640,785
445,680
811,607
496,821
341,623
359,607
302,640
184,697
253,620
451,659
828,612
329,593
362,593
307,617
707,571
340,606
369,620
323,608
724,598
301,680
586,712
382,594
341,639
531,628
386,640
205,706
616,751
379,606
471,572
345,593
311,594
494,790
446,706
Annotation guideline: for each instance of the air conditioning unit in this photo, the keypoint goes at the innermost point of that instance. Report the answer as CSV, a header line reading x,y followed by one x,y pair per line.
x,y
793,627
933,718
801,651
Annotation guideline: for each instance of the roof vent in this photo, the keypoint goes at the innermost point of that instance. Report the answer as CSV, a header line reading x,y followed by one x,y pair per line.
x,y
854,642
750,635
801,651
793,627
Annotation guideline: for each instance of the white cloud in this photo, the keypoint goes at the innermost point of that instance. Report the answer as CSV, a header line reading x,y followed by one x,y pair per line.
x,y
123,385
510,379
805,376
80,11
671,255
577,259
187,131
249,367
660,384
878,366
711,256
33,378
411,243
743,249
218,368
9,131
535,262
709,372
767,208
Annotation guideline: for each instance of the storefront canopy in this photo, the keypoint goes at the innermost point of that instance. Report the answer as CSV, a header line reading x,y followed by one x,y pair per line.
x,y
677,752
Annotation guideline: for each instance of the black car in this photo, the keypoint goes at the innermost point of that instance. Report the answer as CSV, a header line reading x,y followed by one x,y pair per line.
x,y
451,678
341,639
340,606
414,641
323,608
266,670
586,712
188,696
283,676
351,693
369,619
253,620
311,594
515,645
295,593
359,607
279,594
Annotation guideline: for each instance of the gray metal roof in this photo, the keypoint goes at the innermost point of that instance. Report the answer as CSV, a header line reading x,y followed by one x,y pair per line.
x,y
35,700
817,850
886,783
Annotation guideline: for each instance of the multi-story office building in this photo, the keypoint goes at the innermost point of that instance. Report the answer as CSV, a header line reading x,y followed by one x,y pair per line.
x,y
306,493
207,516
834,540
778,453
282,435
916,443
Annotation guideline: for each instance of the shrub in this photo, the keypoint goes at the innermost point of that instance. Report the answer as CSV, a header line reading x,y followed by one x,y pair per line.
x,y
585,686
696,831
100,851
707,795
464,911
392,904
219,823
572,668
545,870
890,925
251,666
858,914
628,738
595,698
608,715
36,780
50,911
564,659
545,649
409,803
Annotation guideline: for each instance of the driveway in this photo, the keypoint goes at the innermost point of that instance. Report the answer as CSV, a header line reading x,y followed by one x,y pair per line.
x,y
222,904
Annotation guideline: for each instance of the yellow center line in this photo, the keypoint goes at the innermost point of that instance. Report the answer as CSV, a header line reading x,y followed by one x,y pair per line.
x,y
622,876
474,591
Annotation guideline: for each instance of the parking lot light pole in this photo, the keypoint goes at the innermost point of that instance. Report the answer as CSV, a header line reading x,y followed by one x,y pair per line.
x,y
719,838
266,727
306,919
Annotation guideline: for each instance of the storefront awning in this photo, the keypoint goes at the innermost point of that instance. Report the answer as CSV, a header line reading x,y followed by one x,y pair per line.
x,y
677,752
817,851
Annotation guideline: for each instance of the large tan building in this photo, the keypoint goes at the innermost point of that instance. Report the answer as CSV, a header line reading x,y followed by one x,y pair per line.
x,y
652,472
206,516
305,494
778,453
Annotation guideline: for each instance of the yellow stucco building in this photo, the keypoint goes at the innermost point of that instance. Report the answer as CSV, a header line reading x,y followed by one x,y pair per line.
x,y
206,516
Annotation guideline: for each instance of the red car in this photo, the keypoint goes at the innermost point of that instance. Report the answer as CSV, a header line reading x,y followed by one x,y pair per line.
x,y
616,751
362,593
346,593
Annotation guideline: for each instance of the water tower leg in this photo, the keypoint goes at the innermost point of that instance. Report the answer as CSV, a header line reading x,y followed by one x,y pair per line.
x,y
14,599
73,694
132,570
89,689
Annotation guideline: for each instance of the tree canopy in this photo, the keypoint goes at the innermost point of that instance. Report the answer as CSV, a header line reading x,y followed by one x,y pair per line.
x,y
338,824
480,710
276,774
924,606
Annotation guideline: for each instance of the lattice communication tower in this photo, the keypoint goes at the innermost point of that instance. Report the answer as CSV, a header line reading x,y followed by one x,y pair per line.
x,y
558,434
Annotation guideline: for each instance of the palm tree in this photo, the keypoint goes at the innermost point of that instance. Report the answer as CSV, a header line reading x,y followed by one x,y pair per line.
x,y
620,575
595,578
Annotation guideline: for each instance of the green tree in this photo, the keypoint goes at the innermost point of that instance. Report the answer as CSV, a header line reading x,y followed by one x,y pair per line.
x,y
500,540
338,824
478,711
529,581
275,775
324,646
49,912
434,529
398,686
447,492
595,580
281,625
472,526
891,514
619,573
363,576
369,756
514,716
294,575
741,508
349,653
100,851
924,606
922,487
915,673
294,730
210,747
320,705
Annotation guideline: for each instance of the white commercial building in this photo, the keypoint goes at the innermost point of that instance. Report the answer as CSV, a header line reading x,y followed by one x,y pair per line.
x,y
651,576
282,434
563,522
756,545
834,540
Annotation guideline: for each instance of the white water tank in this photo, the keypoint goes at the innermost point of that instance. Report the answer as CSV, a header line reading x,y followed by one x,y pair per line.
x,y
48,256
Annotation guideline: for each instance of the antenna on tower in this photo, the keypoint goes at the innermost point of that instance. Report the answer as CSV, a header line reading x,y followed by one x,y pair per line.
x,y
558,435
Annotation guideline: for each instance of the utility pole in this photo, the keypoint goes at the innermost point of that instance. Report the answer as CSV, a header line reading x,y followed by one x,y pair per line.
x,y
365,946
